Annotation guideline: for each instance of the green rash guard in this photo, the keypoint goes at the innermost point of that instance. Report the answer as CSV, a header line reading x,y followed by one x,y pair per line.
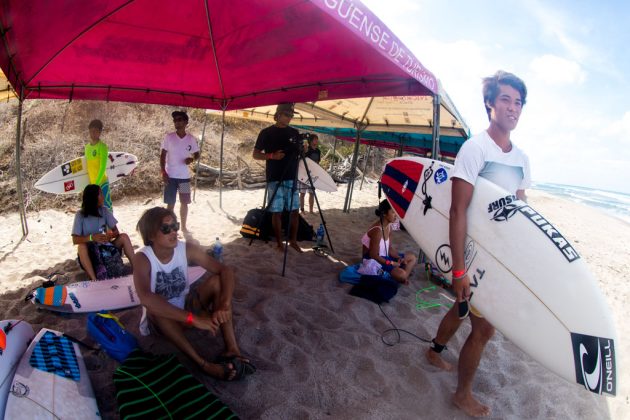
x,y
96,159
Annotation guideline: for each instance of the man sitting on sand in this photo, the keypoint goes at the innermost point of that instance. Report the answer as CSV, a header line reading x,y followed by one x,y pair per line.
x,y
493,156
278,145
171,304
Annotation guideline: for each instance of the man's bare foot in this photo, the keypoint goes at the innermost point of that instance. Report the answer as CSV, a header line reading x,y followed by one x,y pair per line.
x,y
225,372
279,248
470,406
295,246
436,360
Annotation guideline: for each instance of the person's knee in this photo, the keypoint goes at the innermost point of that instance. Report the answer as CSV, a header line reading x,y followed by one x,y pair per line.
x,y
482,331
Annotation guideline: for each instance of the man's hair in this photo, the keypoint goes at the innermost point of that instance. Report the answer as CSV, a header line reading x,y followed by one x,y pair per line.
x,y
151,221
285,107
182,114
490,87
89,202
98,124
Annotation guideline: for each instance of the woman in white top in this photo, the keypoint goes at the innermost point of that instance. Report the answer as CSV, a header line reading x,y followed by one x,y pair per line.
x,y
377,245
172,304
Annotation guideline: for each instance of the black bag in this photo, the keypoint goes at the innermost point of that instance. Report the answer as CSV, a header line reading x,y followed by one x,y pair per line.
x,y
305,231
375,289
106,260
257,225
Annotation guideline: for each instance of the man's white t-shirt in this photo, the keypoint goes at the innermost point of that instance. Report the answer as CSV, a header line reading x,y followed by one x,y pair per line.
x,y
480,156
177,151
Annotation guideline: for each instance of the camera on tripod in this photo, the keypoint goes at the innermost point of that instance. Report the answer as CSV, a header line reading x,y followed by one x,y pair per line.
x,y
297,143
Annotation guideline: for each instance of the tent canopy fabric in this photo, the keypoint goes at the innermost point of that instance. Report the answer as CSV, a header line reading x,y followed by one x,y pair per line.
x,y
211,54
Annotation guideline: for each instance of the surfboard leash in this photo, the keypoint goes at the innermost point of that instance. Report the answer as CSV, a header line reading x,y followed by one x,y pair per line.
x,y
397,331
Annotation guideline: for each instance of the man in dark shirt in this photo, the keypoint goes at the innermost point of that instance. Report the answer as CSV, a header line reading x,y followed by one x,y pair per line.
x,y
312,152
278,146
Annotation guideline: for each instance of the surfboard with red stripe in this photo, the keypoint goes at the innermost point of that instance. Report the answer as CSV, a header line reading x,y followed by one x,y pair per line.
x,y
527,279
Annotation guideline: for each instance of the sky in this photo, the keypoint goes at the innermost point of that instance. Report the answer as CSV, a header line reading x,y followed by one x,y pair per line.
x,y
574,56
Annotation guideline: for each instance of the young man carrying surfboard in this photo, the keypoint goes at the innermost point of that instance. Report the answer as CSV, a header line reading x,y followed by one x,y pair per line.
x,y
491,155
96,155
179,149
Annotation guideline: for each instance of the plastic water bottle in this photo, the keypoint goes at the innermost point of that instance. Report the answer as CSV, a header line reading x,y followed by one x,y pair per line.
x,y
320,235
217,250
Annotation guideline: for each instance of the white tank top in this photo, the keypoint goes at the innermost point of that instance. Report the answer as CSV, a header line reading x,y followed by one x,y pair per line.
x,y
170,280
383,249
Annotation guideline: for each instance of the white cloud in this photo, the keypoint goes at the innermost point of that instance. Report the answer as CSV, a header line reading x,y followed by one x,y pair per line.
x,y
619,128
555,70
553,25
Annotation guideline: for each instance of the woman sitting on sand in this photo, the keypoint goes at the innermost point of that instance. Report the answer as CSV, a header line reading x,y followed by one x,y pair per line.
x,y
377,246
95,227
172,305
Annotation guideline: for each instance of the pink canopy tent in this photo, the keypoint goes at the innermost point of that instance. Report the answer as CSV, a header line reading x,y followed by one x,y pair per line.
x,y
204,53
212,54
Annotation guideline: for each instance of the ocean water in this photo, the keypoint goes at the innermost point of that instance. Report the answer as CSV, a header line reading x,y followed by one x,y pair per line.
x,y
614,203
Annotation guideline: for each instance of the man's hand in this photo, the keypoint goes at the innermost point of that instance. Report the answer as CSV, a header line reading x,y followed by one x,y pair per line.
x,y
189,160
277,155
164,176
205,323
462,288
100,237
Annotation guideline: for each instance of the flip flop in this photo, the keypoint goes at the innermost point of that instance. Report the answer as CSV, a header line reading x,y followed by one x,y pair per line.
x,y
242,366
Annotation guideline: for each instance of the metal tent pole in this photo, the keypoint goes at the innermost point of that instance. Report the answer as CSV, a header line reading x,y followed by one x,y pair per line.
x,y
360,127
365,167
18,168
332,162
353,167
221,158
435,149
203,138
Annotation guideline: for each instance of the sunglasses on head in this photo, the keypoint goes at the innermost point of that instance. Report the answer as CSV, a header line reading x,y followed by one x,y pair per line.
x,y
166,229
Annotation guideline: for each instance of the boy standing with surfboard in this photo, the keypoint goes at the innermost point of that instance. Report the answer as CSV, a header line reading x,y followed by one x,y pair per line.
x,y
491,155
96,155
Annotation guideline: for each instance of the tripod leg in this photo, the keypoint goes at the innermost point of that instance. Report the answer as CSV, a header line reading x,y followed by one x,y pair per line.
x,y
319,209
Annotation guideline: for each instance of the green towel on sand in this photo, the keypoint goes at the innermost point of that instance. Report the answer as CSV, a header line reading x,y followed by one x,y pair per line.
x,y
160,387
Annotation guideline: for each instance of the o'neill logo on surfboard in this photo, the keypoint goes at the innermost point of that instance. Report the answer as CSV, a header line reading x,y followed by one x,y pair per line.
x,y
595,365
556,238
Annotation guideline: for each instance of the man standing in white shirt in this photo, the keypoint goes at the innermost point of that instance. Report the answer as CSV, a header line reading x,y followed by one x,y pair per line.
x,y
179,149
491,155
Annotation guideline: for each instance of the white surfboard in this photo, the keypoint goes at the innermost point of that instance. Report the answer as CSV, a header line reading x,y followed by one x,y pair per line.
x,y
93,296
40,394
71,177
15,336
526,278
321,180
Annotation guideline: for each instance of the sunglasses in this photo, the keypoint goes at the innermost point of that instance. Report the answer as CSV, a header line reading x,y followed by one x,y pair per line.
x,y
166,229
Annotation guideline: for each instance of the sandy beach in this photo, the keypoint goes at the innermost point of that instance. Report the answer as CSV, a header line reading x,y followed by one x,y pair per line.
x,y
318,350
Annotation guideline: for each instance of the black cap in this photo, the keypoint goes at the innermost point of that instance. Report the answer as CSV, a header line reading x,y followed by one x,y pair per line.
x,y
285,108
